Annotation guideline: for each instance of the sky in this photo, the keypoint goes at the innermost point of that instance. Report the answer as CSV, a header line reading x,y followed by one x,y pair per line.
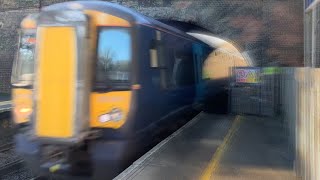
x,y
118,40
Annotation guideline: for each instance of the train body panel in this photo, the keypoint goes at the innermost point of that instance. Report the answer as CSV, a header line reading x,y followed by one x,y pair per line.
x,y
52,121
107,106
22,103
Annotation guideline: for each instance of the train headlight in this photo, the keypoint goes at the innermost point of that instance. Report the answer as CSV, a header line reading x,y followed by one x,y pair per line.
x,y
105,118
114,115
25,110
22,114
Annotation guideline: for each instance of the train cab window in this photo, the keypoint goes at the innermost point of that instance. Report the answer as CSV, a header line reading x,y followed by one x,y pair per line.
x,y
113,59
23,68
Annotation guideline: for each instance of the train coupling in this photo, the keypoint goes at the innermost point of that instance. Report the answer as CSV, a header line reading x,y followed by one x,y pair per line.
x,y
55,159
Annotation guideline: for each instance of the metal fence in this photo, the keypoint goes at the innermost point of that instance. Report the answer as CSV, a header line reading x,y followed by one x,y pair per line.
x,y
260,96
300,92
295,93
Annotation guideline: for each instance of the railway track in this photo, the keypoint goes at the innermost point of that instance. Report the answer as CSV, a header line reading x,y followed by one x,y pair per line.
x,y
5,115
5,122
6,147
9,161
12,167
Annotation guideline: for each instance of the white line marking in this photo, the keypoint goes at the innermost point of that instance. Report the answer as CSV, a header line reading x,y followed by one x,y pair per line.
x,y
5,103
142,159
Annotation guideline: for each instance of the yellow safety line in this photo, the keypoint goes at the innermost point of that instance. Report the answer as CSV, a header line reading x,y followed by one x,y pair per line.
x,y
215,160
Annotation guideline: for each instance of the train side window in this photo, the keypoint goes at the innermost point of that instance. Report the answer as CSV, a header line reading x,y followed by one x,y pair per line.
x,y
164,78
157,52
184,74
154,58
23,66
159,58
176,72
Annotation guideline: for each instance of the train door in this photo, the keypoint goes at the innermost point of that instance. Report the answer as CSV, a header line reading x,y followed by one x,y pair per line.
x,y
164,93
198,57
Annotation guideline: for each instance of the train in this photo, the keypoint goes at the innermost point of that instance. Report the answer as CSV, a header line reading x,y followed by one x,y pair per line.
x,y
93,80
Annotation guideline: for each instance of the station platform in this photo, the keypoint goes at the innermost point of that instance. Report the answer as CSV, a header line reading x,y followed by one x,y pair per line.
x,y
222,147
5,97
5,102
5,106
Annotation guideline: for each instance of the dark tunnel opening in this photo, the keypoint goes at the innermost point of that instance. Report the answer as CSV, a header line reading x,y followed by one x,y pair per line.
x,y
185,26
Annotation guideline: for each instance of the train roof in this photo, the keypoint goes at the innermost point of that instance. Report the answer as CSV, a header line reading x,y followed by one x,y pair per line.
x,y
119,11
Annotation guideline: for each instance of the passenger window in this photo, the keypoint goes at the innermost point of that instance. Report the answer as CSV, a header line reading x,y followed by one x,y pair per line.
x,y
114,57
175,64
159,54
23,68
184,72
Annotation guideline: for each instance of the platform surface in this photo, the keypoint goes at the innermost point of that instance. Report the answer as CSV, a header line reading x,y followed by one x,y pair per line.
x,y
5,97
5,106
5,102
219,147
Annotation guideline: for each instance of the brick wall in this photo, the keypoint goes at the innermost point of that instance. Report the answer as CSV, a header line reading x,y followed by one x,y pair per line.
x,y
271,32
11,14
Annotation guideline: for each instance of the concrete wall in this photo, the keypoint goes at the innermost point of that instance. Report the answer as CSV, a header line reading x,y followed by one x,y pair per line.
x,y
269,31
300,107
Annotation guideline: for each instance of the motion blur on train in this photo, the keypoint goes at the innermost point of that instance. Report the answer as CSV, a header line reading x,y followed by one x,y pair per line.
x,y
93,80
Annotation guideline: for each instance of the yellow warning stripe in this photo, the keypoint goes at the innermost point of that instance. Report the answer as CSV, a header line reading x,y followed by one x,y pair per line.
x,y
216,158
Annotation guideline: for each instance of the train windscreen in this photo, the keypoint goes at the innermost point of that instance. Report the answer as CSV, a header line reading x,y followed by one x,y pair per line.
x,y
113,59
24,64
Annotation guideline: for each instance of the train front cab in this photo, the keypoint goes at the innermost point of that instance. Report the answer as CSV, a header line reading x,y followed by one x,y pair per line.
x,y
84,107
57,110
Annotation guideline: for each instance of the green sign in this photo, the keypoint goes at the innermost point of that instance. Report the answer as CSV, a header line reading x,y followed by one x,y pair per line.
x,y
270,70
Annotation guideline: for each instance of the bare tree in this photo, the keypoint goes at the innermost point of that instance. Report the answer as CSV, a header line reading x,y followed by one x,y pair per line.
x,y
106,59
